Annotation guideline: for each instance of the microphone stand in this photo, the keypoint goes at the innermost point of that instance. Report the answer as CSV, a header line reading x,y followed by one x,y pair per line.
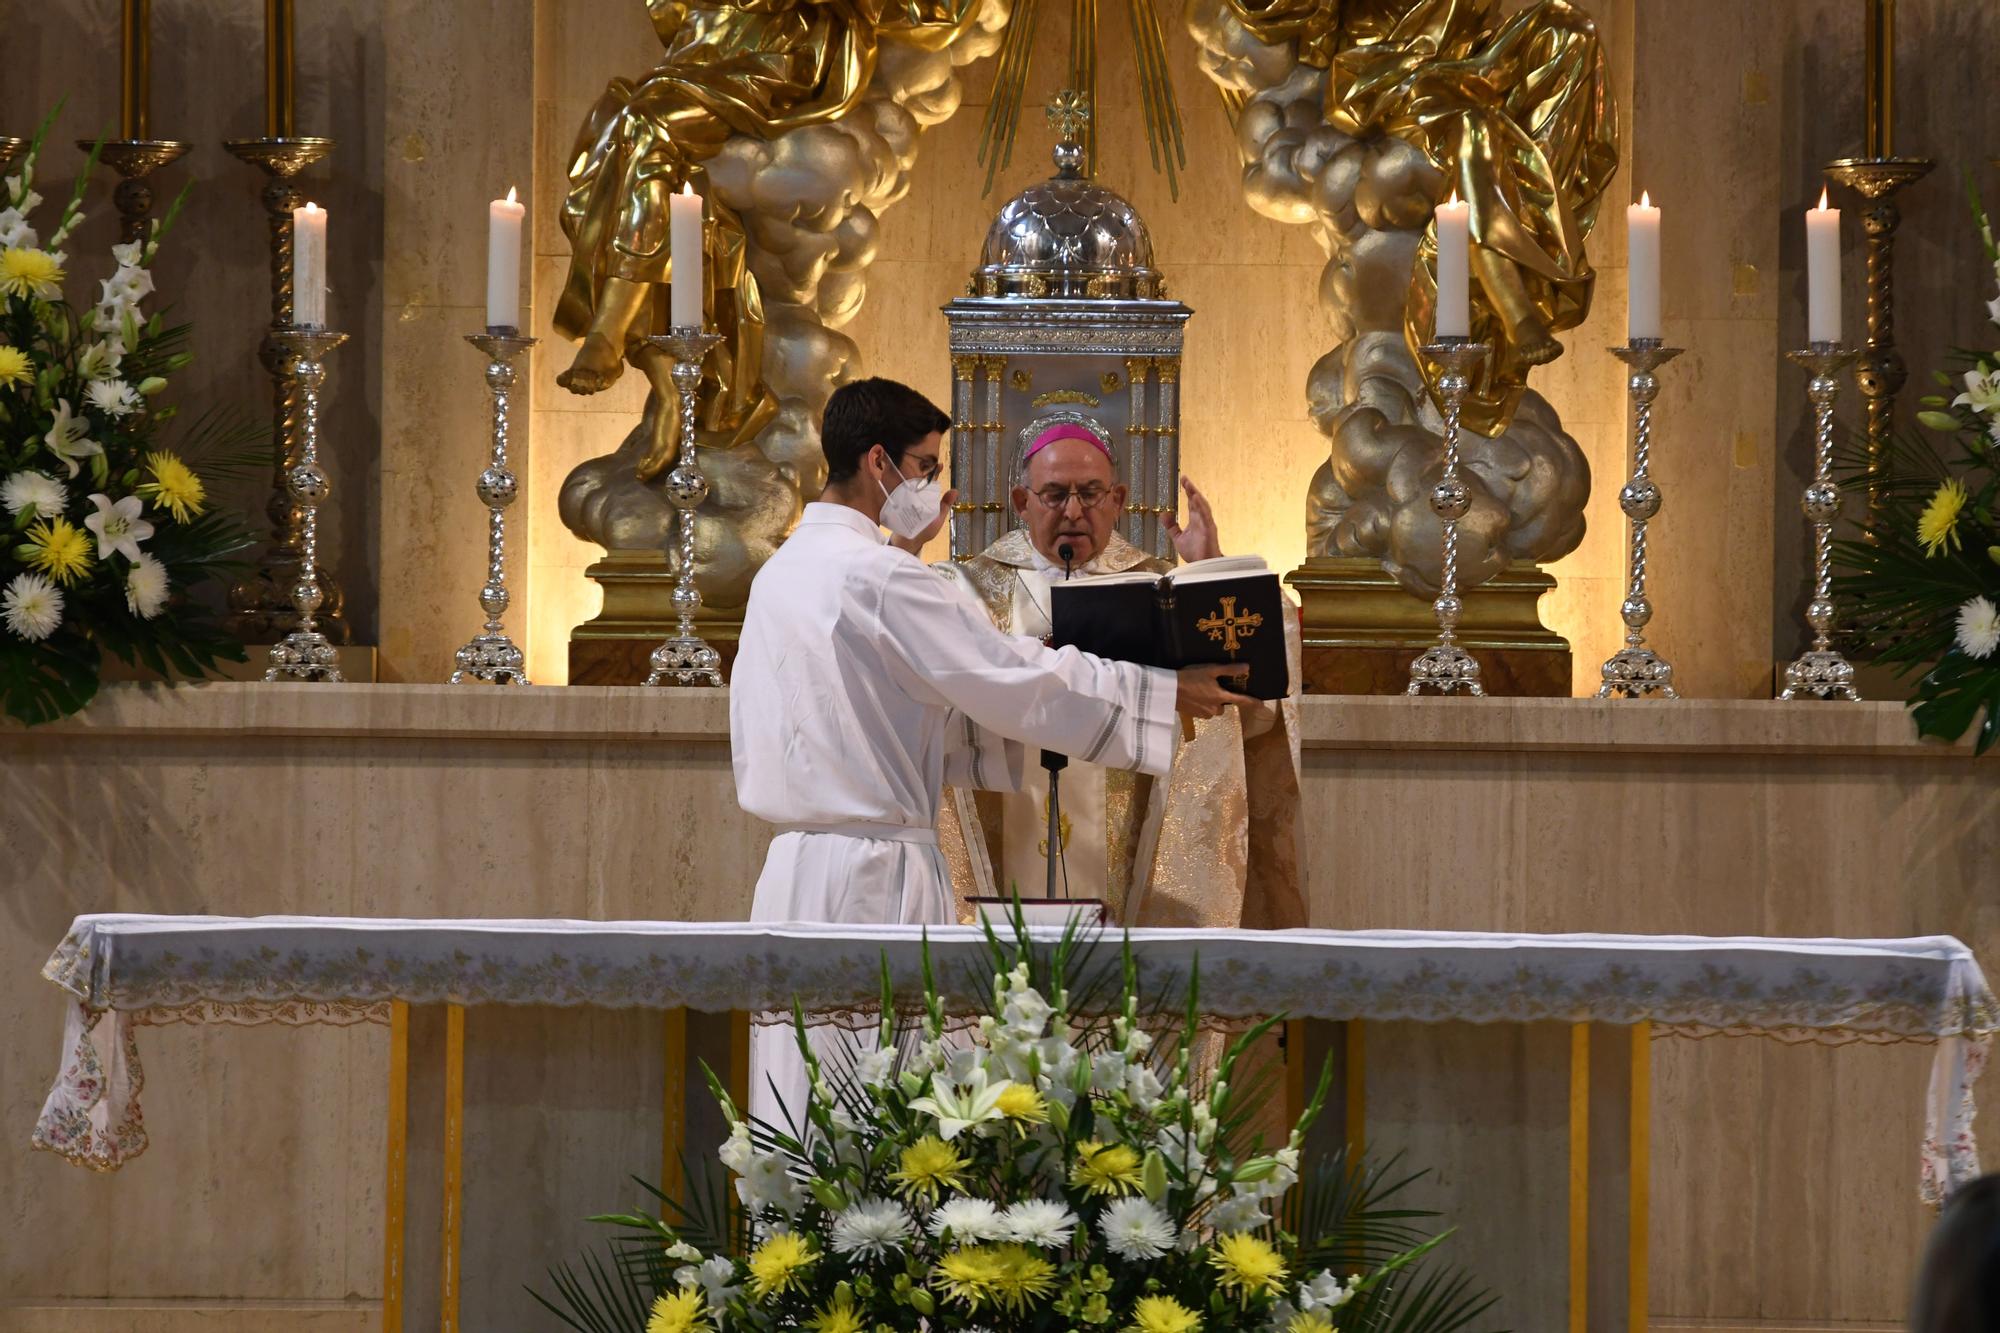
x,y
1055,763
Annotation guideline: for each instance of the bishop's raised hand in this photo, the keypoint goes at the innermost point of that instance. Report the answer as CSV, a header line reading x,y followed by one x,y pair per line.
x,y
1198,540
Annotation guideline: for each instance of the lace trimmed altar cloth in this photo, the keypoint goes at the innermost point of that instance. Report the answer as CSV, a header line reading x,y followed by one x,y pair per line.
x,y
165,969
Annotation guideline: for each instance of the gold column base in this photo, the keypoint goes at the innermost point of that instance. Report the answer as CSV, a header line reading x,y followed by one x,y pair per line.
x,y
615,647
1361,628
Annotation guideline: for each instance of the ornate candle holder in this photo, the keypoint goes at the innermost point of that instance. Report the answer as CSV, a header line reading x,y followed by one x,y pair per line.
x,y
305,653
260,606
1821,671
686,659
1445,666
135,161
1636,671
491,656
1879,373
11,147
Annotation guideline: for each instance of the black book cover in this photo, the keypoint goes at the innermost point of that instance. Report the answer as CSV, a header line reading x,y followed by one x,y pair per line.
x,y
1226,610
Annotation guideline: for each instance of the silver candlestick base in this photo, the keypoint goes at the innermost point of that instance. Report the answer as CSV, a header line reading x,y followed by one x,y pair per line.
x,y
1821,671
491,656
305,654
685,659
1636,671
1444,666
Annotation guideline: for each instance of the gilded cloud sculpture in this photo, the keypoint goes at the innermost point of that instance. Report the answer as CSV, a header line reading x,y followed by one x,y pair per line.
x,y
1357,119
798,123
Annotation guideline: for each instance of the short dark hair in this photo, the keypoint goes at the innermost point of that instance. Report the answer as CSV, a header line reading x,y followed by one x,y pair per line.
x,y
1959,1285
869,412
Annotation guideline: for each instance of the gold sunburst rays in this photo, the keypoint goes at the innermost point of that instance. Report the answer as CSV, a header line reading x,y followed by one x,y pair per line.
x,y
1078,105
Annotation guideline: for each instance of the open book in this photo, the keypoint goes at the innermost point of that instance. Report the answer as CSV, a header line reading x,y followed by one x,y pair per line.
x,y
1228,609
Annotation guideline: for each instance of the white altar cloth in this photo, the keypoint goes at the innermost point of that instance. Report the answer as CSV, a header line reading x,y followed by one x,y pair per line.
x,y
161,969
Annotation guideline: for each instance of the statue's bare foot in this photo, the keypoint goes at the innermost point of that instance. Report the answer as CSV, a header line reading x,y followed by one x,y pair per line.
x,y
1539,349
597,366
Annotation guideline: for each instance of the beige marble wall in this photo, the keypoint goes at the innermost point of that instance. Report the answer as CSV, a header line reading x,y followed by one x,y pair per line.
x,y
458,130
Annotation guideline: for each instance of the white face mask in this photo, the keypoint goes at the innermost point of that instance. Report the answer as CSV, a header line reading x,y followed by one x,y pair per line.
x,y
910,508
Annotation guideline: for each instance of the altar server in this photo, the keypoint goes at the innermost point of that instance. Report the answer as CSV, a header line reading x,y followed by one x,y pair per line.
x,y
863,683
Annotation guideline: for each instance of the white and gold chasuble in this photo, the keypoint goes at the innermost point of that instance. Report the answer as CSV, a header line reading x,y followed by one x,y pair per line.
x,y
1215,843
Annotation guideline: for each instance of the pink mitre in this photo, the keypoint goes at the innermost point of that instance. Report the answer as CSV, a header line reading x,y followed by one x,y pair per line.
x,y
1064,426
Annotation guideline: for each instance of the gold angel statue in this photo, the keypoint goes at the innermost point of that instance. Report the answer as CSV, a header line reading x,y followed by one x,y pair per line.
x,y
752,67
1517,116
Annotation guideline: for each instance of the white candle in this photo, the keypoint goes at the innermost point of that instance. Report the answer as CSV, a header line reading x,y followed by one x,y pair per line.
x,y
1454,228
1823,273
1642,258
684,252
503,262
309,266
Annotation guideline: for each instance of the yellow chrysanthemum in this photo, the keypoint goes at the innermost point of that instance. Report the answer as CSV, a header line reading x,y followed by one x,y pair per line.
x,y
59,548
14,367
1938,527
678,1313
969,1275
1021,1275
1105,1168
1309,1321
174,486
779,1262
1163,1314
1247,1265
1021,1102
929,1166
25,272
839,1317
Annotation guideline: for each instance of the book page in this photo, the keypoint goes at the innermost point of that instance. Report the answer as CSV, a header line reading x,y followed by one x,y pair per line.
x,y
1221,567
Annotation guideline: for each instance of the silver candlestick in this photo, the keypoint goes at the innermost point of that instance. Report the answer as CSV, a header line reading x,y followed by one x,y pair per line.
x,y
1636,671
686,659
491,656
1821,671
1445,666
305,654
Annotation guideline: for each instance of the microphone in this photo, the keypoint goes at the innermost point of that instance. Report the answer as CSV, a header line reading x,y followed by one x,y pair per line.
x,y
1068,553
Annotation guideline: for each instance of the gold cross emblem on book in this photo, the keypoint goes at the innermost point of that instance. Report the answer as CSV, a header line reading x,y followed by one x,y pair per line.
x,y
1226,625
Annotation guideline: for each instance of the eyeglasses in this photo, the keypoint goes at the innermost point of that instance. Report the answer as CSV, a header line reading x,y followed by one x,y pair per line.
x,y
1057,498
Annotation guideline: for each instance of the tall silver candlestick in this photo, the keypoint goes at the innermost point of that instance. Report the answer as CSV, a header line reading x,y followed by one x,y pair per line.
x,y
1821,671
491,656
305,654
1445,666
685,659
1636,671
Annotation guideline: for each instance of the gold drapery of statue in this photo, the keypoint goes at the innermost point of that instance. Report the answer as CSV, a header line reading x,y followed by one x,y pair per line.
x,y
758,67
1516,115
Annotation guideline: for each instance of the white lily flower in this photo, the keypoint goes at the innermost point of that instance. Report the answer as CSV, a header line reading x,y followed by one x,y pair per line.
x,y
1982,392
958,1105
68,438
101,360
133,284
119,527
130,254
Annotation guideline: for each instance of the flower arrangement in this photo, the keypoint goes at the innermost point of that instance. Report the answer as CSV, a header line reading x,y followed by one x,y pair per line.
x,y
1926,587
104,529
1038,1170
